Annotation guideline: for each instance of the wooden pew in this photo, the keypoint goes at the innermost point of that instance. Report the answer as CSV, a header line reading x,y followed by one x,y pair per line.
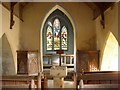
x,y
23,81
105,79
93,86
19,81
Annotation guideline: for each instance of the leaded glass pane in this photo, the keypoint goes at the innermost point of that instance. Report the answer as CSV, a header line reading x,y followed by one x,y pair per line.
x,y
56,28
64,38
49,38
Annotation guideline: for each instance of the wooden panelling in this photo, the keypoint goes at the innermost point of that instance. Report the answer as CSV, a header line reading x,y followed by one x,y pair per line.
x,y
27,62
87,61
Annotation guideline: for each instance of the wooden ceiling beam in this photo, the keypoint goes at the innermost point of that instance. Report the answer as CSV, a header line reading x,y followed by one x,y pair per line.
x,y
103,7
21,8
8,8
98,9
12,4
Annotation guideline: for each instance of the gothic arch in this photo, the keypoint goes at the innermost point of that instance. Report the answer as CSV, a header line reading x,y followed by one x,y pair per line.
x,y
6,57
110,54
42,26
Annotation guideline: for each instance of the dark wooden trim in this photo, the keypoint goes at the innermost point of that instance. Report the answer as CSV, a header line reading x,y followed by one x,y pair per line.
x,y
85,51
101,72
27,51
13,12
102,75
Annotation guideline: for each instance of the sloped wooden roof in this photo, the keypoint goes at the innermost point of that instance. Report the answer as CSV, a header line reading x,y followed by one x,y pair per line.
x,y
98,9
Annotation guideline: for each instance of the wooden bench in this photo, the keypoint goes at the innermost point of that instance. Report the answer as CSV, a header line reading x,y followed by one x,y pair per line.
x,y
94,86
100,79
18,81
23,81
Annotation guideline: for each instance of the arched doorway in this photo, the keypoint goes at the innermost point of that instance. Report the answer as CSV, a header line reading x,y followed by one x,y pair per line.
x,y
64,24
110,54
6,57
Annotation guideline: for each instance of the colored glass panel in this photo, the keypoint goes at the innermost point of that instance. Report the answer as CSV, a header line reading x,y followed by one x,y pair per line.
x,y
49,38
64,38
56,28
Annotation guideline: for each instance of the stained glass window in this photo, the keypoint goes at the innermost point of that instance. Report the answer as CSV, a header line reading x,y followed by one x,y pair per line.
x,y
49,38
56,36
64,38
56,28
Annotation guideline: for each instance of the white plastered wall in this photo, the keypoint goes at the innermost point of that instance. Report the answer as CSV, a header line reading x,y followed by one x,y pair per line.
x,y
12,36
111,26
26,35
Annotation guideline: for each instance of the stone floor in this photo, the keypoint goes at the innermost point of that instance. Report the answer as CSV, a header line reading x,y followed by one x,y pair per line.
x,y
67,84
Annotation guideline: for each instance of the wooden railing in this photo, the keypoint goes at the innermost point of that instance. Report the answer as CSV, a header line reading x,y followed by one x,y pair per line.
x,y
67,60
70,59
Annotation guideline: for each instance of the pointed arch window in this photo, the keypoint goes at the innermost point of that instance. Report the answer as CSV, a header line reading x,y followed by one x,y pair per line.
x,y
56,36
49,38
64,38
